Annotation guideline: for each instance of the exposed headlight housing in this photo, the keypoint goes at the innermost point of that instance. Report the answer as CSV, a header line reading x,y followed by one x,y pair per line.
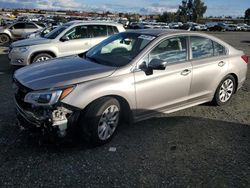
x,y
46,98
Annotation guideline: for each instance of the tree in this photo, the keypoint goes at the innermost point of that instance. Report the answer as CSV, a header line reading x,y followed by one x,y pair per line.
x,y
190,6
191,10
168,17
199,9
247,16
182,11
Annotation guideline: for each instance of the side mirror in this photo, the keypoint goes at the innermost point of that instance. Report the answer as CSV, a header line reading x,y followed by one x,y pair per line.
x,y
157,64
64,38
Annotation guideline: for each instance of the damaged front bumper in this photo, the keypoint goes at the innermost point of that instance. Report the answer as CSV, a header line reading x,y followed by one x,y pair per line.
x,y
57,119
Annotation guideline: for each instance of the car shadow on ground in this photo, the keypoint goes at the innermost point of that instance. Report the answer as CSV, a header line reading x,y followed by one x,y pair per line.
x,y
176,150
191,128
245,41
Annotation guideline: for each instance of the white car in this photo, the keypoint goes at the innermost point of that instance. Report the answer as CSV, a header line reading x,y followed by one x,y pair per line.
x,y
69,39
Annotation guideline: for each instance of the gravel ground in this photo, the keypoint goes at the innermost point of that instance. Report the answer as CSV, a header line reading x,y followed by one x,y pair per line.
x,y
203,146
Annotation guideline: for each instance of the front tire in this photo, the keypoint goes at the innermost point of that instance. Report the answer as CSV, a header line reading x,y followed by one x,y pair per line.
x,y
41,57
4,39
225,90
100,121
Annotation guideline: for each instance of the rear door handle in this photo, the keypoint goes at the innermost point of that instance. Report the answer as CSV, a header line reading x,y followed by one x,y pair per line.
x,y
221,63
185,72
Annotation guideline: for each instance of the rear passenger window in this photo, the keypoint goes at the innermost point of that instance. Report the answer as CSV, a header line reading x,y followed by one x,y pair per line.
x,y
30,26
219,49
98,30
201,47
171,50
110,30
115,29
19,26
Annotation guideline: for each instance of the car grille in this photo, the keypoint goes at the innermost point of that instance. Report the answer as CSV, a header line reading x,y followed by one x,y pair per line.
x,y
20,92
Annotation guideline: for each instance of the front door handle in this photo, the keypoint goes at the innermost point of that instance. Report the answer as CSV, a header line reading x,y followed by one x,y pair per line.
x,y
221,63
185,72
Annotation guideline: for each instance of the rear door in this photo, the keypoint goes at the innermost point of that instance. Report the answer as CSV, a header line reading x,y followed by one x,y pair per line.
x,y
17,30
30,28
210,62
98,33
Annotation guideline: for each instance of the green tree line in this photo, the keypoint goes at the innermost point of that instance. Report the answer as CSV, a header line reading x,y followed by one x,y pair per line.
x,y
189,10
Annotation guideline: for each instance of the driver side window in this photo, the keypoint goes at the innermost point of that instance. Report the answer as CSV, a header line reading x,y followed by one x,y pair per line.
x,y
78,32
171,50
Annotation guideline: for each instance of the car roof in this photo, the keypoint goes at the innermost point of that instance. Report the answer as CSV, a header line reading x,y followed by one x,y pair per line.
x,y
165,32
159,32
79,22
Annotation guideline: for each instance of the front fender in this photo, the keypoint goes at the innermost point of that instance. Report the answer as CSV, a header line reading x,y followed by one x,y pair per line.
x,y
7,32
35,50
85,93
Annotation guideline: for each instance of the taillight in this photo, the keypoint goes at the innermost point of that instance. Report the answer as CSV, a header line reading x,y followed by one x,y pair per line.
x,y
245,58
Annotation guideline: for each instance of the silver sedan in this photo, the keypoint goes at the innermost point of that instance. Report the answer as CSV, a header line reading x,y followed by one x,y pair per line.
x,y
130,76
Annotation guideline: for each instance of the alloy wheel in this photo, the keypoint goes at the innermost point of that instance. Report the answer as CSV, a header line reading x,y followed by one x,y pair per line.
x,y
108,122
4,39
226,90
42,58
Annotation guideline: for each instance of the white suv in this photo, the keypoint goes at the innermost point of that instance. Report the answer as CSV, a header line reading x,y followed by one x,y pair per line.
x,y
69,39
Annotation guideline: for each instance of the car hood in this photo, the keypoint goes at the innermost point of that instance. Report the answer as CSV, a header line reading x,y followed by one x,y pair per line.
x,y
30,42
61,72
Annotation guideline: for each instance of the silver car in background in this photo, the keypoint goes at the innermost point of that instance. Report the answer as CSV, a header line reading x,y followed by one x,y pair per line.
x,y
69,39
40,33
17,31
130,76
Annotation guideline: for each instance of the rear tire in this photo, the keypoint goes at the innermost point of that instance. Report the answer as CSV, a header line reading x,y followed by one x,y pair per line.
x,y
41,57
98,124
4,39
225,91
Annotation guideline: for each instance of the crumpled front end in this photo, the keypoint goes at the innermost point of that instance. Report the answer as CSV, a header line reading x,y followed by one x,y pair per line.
x,y
56,119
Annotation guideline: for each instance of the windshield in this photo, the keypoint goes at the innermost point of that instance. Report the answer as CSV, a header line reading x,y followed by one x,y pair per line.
x,y
54,33
118,50
46,31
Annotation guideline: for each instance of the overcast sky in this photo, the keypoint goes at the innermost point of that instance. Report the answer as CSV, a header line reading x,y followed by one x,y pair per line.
x,y
215,7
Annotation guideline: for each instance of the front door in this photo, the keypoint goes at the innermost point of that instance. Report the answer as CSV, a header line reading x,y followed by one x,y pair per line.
x,y
77,41
164,89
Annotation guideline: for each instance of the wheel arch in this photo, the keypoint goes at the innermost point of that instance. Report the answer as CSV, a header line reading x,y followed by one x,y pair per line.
x,y
3,33
236,80
34,54
127,114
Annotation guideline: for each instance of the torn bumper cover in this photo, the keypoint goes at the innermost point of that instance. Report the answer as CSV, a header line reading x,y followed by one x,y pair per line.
x,y
57,119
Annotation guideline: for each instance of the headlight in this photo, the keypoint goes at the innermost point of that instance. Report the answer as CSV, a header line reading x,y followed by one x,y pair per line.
x,y
21,49
45,98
